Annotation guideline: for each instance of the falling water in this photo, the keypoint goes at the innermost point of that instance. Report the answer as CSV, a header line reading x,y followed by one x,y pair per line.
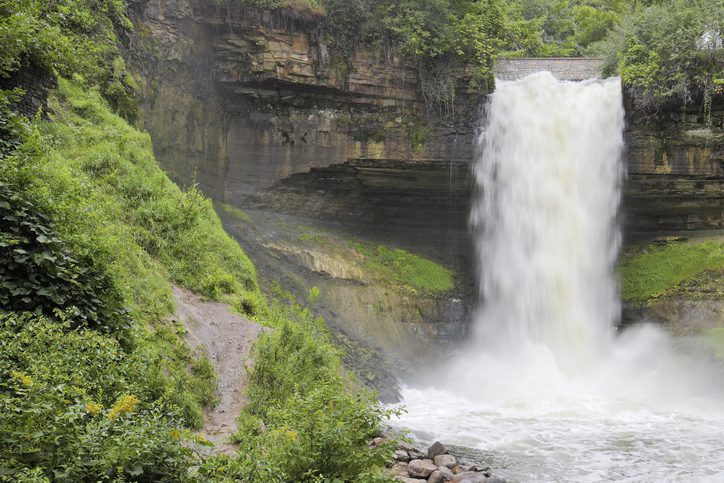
x,y
545,390
548,177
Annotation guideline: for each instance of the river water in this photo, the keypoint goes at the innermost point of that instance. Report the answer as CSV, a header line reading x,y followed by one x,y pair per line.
x,y
545,389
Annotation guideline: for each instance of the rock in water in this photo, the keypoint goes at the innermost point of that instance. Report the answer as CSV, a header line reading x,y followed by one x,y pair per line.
x,y
436,477
421,468
446,460
436,449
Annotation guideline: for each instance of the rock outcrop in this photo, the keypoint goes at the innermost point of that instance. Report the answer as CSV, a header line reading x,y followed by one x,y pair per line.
x,y
675,163
238,99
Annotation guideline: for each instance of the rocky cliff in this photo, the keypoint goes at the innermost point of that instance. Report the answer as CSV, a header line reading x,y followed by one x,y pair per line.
x,y
238,99
258,110
675,162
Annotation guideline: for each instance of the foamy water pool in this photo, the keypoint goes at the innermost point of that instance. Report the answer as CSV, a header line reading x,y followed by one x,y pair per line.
x,y
584,440
653,410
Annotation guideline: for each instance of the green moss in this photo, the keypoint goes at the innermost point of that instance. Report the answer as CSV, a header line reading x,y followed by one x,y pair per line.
x,y
390,266
237,213
418,136
404,268
654,271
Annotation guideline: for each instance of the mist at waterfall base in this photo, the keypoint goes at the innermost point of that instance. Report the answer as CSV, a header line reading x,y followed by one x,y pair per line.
x,y
546,390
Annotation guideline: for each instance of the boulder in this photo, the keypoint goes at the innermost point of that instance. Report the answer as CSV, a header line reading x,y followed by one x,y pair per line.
x,y
400,468
441,475
401,455
436,477
495,479
469,477
421,468
376,442
446,472
416,455
436,449
406,479
407,446
446,460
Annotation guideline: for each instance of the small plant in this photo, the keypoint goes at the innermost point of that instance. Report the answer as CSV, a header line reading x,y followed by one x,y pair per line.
x,y
313,295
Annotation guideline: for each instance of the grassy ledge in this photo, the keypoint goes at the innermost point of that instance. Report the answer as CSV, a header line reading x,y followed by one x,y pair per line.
x,y
393,267
653,271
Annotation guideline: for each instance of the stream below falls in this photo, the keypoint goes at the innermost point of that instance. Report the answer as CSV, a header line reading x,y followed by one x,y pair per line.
x,y
545,389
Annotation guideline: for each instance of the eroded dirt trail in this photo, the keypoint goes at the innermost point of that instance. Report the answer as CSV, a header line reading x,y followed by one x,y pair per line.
x,y
227,338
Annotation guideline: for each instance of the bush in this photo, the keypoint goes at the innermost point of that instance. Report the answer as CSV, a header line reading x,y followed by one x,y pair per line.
x,y
670,51
303,421
73,405
67,38
38,274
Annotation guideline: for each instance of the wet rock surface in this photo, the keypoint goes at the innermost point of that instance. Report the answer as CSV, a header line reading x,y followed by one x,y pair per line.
x,y
444,468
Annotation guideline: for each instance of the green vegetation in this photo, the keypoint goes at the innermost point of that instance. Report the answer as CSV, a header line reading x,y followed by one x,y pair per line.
x,y
303,421
393,267
70,37
666,50
97,384
237,213
309,6
654,271
403,268
671,51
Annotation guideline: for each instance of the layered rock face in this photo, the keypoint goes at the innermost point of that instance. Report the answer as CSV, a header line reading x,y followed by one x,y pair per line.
x,y
239,99
675,163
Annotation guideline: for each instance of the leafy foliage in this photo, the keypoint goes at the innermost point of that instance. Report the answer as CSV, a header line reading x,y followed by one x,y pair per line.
x,y
70,37
101,164
38,274
77,421
671,51
300,423
76,403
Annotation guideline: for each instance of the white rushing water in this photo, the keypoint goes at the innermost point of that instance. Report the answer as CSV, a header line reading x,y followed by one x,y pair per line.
x,y
545,389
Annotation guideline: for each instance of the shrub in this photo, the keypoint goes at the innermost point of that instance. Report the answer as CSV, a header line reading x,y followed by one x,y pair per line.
x,y
73,405
303,422
671,51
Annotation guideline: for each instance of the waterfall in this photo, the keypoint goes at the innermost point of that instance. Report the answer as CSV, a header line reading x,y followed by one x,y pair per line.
x,y
548,173
544,390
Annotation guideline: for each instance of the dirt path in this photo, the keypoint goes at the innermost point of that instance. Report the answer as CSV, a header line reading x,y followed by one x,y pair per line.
x,y
227,338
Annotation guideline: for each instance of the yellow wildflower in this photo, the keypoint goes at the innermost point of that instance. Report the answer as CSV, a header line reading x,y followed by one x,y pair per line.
x,y
292,435
124,405
175,434
93,408
23,379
